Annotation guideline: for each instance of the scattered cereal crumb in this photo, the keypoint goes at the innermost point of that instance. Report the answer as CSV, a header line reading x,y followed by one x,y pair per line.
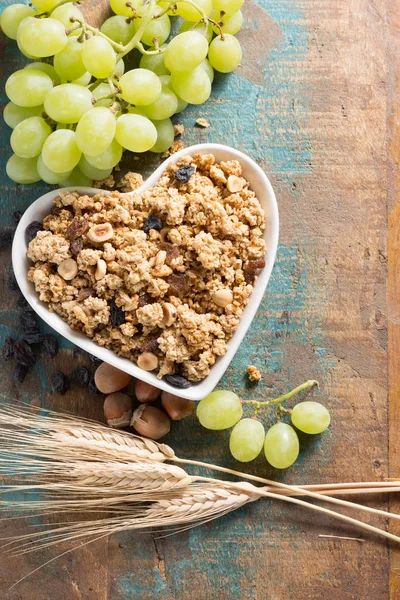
x,y
130,181
253,373
107,182
202,123
117,167
175,147
178,129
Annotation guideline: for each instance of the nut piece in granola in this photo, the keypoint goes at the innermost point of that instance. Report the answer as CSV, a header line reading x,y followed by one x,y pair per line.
x,y
253,373
223,297
147,361
100,233
202,123
67,269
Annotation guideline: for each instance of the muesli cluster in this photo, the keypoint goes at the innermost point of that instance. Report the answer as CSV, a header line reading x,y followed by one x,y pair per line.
x,y
162,276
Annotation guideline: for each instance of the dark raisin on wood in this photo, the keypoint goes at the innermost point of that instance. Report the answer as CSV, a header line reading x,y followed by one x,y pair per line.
x,y
117,315
20,372
177,381
22,304
256,264
184,173
76,228
24,354
171,250
12,282
146,299
5,238
150,343
31,337
48,345
76,245
59,383
85,293
81,376
178,284
79,352
94,361
152,222
16,216
32,230
28,321
92,388
8,348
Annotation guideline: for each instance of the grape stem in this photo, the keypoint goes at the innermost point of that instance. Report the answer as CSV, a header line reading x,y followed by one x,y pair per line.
x,y
283,397
145,20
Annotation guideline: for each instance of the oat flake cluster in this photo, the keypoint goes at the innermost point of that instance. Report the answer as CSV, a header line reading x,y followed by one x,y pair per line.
x,y
169,299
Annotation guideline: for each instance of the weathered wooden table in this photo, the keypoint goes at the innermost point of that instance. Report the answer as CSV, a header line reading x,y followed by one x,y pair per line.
x,y
315,103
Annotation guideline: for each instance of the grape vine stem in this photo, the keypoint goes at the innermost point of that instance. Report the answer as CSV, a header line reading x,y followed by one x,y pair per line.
x,y
307,384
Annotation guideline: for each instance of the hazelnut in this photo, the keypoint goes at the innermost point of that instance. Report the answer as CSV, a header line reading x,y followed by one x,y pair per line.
x,y
169,313
164,233
150,422
118,410
145,392
101,269
177,408
222,297
234,183
109,379
67,269
147,361
102,232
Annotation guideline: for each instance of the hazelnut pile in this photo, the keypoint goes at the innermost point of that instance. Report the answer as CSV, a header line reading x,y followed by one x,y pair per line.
x,y
147,420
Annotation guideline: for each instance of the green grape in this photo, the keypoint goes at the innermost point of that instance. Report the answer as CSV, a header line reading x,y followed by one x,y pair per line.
x,y
14,114
98,57
134,110
193,87
186,51
190,13
60,151
140,87
136,133
159,28
219,410
12,16
28,137
102,90
154,62
225,53
45,5
91,171
281,446
229,7
68,63
247,440
95,131
166,82
49,176
107,159
311,417
46,68
22,170
119,68
181,105
120,7
200,27
28,87
68,102
65,13
41,37
77,178
230,24
164,4
164,107
84,80
118,29
165,135
208,69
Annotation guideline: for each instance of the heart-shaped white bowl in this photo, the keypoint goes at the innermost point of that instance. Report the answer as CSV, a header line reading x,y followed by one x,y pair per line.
x,y
263,189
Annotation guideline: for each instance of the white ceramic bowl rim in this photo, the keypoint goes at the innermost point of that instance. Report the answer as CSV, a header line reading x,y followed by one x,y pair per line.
x,y
263,189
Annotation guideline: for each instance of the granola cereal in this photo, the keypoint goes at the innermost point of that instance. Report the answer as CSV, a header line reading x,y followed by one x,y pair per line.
x,y
253,373
174,290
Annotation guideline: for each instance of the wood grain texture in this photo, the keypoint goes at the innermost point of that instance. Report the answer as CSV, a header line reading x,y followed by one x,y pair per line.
x,y
310,104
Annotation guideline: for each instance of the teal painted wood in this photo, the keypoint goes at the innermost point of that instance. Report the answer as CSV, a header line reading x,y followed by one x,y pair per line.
x,y
265,551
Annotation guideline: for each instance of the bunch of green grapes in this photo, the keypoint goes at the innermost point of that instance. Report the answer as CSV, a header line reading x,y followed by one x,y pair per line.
x,y
74,110
223,409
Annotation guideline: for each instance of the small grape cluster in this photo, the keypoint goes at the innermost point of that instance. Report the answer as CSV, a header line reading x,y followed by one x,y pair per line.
x,y
223,409
69,129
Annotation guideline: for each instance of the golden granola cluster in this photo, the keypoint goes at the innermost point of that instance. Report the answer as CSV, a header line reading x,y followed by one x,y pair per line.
x,y
160,277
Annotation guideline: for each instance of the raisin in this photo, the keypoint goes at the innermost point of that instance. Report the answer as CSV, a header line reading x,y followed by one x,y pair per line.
x,y
5,239
28,322
76,245
249,275
94,361
12,282
59,383
31,337
24,354
48,345
55,210
256,264
8,348
16,216
117,315
177,284
171,250
150,343
76,229
20,372
22,304
92,388
184,173
177,381
32,230
81,376
79,352
152,222
146,299
85,293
